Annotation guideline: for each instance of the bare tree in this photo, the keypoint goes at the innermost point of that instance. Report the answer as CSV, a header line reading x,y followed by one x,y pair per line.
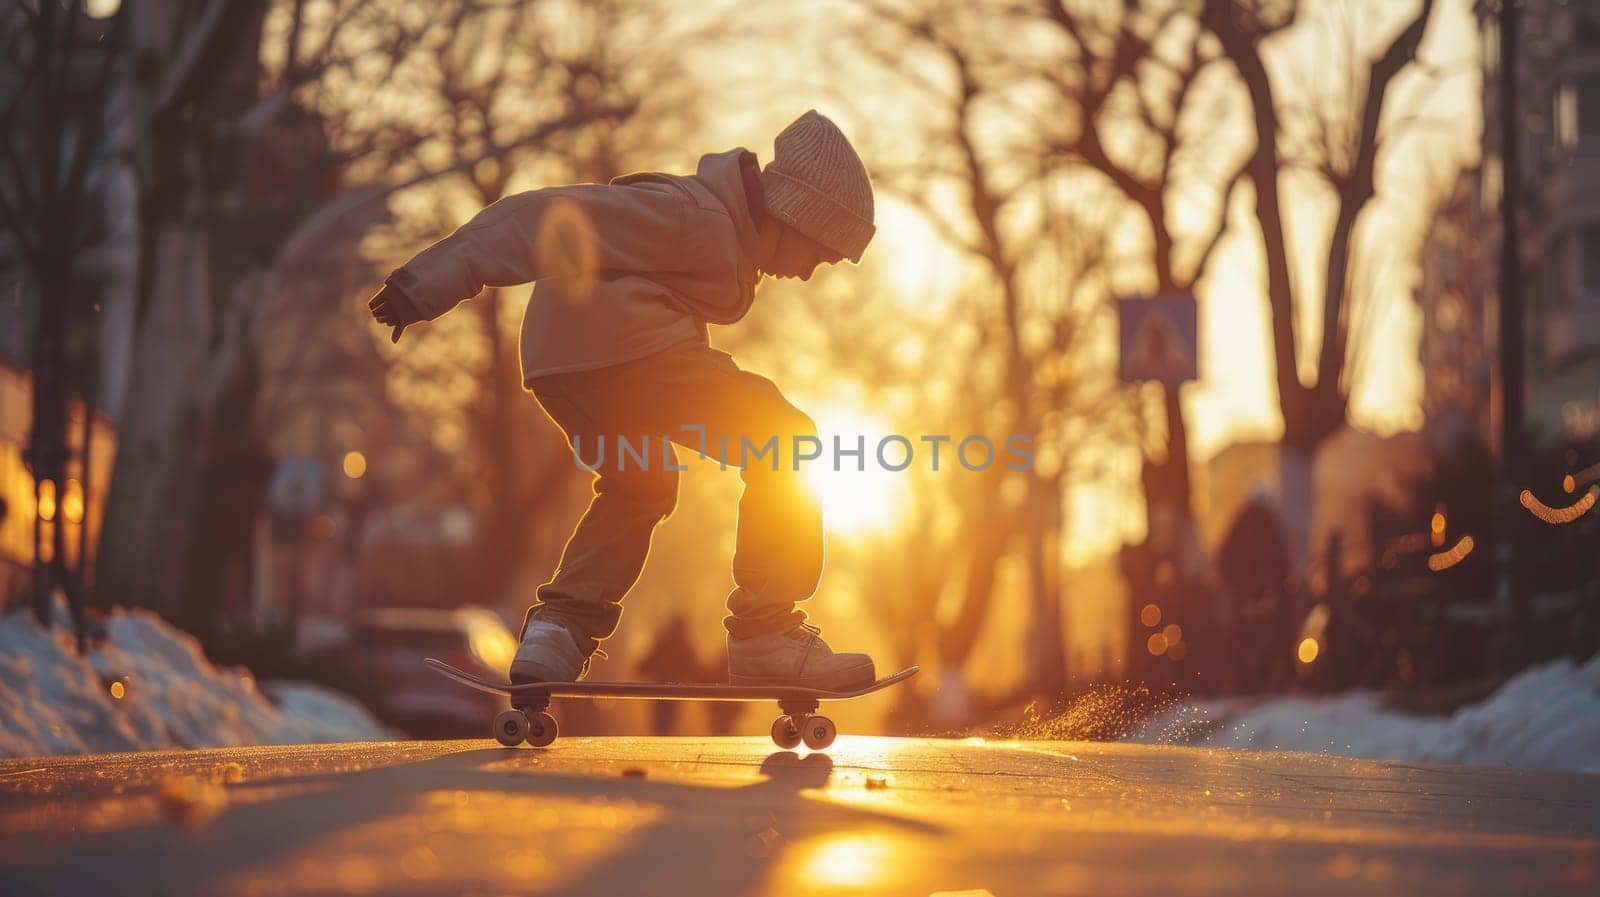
x,y
1130,81
1039,240
59,66
1344,143
216,79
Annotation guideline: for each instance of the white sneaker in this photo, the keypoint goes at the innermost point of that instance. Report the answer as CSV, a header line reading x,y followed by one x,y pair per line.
x,y
796,656
548,653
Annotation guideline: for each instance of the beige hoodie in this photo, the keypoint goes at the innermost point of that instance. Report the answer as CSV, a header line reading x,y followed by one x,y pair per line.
x,y
623,270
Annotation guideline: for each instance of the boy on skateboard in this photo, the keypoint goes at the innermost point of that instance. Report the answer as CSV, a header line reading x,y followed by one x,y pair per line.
x,y
615,347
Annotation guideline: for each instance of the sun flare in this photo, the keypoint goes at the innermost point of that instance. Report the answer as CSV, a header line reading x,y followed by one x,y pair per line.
x,y
858,495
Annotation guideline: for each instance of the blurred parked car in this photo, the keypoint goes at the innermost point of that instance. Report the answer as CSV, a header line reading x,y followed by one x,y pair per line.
x,y
385,651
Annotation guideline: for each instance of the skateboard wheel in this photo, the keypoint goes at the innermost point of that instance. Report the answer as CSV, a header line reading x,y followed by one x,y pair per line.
x,y
818,732
785,733
510,727
543,730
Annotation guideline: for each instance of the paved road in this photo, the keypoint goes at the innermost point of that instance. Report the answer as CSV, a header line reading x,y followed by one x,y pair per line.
x,y
880,816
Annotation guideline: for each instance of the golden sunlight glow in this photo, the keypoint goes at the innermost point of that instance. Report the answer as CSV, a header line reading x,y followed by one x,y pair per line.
x,y
118,691
848,860
1309,649
355,465
491,644
855,500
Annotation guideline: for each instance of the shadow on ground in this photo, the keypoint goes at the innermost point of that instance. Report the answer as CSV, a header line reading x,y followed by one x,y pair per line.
x,y
360,831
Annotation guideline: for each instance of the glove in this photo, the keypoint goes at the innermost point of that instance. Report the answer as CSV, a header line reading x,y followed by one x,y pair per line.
x,y
393,308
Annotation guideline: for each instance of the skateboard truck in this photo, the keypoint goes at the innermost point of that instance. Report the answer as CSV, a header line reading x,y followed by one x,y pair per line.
x,y
513,727
528,720
800,722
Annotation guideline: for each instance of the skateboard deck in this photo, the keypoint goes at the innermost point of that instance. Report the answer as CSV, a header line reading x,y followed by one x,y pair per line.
x,y
529,721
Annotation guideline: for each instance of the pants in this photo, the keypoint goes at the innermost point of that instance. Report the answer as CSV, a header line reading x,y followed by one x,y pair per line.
x,y
778,550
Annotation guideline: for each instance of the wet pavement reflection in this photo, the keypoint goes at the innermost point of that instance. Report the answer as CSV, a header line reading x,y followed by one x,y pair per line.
x,y
730,816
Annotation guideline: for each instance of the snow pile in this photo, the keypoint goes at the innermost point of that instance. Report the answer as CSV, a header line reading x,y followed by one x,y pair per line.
x,y
149,686
1547,717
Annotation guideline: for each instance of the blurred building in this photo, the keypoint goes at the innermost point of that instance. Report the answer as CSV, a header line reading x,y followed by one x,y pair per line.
x,y
1352,470
1235,630
1557,60
1452,294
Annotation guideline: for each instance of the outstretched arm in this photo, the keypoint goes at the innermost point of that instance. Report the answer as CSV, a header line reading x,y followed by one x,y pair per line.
x,y
557,231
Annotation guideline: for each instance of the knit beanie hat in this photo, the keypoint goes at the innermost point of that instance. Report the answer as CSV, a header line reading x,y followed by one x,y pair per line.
x,y
817,185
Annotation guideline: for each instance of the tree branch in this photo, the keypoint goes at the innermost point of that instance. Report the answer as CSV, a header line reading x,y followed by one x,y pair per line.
x,y
298,241
195,60
1221,18
1357,190
1210,246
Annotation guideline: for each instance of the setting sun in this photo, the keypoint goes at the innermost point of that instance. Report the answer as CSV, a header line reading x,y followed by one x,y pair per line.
x,y
854,500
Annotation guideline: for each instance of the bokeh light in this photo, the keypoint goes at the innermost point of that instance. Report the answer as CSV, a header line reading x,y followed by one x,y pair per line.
x,y
47,500
72,501
1444,560
1309,649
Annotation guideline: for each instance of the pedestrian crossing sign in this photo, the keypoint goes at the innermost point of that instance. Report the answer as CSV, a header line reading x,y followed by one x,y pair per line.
x,y
1158,339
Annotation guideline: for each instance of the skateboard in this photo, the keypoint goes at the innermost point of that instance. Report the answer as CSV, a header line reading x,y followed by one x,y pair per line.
x,y
530,720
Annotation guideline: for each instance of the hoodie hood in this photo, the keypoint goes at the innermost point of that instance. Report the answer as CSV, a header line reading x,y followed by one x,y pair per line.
x,y
723,174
